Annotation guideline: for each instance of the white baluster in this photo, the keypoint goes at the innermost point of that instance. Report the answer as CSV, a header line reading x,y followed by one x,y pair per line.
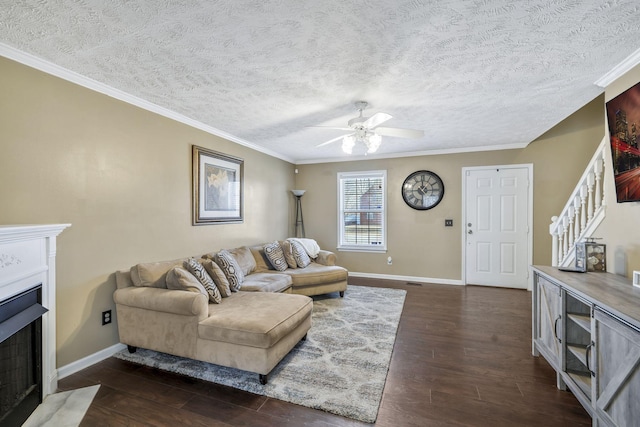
x,y
590,182
576,221
598,173
583,210
565,237
570,226
603,198
560,248
554,238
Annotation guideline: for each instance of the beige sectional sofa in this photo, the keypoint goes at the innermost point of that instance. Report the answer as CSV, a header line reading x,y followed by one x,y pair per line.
x,y
322,276
251,329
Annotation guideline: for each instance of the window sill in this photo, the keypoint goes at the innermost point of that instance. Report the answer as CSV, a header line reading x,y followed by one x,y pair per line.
x,y
380,249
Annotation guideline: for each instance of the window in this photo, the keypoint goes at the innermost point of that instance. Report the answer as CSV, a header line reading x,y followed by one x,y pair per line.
x,y
362,219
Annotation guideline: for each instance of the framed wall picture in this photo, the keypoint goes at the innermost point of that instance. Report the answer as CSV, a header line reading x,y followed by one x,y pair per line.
x,y
217,187
623,116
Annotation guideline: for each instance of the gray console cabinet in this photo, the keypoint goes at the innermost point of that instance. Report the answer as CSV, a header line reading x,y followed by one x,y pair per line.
x,y
587,326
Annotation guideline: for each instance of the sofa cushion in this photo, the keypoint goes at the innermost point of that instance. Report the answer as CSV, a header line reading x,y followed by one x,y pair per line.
x,y
262,263
203,277
287,250
180,279
316,274
153,274
300,254
218,276
245,259
231,269
266,282
255,319
274,254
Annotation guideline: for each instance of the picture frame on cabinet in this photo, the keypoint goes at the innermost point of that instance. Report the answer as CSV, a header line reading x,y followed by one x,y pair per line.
x,y
217,184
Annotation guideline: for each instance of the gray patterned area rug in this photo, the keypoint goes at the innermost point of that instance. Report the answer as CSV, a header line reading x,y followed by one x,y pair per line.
x,y
341,368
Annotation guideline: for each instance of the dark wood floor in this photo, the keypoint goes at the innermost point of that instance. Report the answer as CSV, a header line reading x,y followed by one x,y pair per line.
x,y
462,358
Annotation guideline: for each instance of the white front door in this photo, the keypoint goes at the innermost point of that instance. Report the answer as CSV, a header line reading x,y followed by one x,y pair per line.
x,y
497,226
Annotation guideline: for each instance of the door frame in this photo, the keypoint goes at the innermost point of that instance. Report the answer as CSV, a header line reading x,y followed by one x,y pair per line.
x,y
529,167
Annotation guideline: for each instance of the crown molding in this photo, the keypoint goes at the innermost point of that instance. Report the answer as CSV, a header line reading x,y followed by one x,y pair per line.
x,y
619,70
96,86
413,154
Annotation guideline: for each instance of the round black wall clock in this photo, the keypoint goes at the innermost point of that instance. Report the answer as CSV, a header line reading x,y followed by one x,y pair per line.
x,y
422,190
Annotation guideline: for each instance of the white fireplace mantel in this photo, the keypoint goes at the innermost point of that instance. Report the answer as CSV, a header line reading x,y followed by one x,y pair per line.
x,y
28,259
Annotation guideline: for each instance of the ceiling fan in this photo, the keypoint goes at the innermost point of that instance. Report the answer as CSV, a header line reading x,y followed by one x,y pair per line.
x,y
368,131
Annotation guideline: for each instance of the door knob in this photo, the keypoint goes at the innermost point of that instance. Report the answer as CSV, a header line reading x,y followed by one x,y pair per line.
x,y
470,231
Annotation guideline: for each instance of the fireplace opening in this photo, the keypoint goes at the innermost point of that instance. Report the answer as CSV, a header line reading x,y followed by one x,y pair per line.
x,y
20,356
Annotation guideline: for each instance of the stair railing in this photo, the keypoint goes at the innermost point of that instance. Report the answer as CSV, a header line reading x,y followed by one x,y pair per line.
x,y
582,213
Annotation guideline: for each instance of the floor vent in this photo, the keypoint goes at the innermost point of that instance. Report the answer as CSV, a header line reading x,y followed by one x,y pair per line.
x,y
414,284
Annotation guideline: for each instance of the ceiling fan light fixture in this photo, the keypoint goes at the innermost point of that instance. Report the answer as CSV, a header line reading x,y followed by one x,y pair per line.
x,y
347,143
373,143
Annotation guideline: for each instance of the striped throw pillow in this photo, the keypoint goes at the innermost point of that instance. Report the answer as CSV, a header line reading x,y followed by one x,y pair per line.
x,y
195,268
274,254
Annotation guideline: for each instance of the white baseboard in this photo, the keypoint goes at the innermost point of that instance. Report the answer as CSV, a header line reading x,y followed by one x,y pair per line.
x,y
408,278
92,359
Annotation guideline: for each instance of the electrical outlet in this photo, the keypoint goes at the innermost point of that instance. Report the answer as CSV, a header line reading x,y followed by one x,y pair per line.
x,y
389,261
106,317
448,223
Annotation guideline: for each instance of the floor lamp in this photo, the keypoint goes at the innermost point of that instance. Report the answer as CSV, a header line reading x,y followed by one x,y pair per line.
x,y
299,219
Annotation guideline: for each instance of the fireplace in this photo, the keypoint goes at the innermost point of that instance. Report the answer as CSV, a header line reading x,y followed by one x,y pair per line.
x,y
27,318
20,356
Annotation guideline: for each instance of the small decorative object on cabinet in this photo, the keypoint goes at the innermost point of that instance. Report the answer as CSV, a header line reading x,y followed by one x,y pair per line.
x,y
587,326
591,256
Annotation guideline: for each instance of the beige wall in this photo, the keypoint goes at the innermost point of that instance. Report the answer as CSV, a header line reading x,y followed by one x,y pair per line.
x,y
122,177
417,240
620,230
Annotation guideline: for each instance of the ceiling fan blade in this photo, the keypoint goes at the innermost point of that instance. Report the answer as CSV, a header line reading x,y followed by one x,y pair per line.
x,y
400,133
376,120
333,140
329,127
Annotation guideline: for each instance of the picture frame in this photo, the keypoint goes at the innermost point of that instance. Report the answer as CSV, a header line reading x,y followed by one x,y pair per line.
x,y
217,187
623,114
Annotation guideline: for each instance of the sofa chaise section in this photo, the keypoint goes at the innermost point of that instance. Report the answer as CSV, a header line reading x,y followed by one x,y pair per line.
x,y
251,331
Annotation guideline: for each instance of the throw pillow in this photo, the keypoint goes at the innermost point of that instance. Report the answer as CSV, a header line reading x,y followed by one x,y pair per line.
x,y
218,277
288,254
301,256
195,268
153,274
245,259
231,269
180,279
274,254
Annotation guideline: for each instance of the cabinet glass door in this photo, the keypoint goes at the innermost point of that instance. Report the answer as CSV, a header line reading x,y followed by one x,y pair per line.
x,y
578,344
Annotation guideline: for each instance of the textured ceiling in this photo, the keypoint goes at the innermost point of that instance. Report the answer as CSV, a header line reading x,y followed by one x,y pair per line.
x,y
471,74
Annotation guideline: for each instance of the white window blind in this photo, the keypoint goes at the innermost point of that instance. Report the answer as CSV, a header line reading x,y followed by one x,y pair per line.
x,y
362,211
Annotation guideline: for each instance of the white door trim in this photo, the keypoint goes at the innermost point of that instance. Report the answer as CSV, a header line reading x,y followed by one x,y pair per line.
x,y
529,167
